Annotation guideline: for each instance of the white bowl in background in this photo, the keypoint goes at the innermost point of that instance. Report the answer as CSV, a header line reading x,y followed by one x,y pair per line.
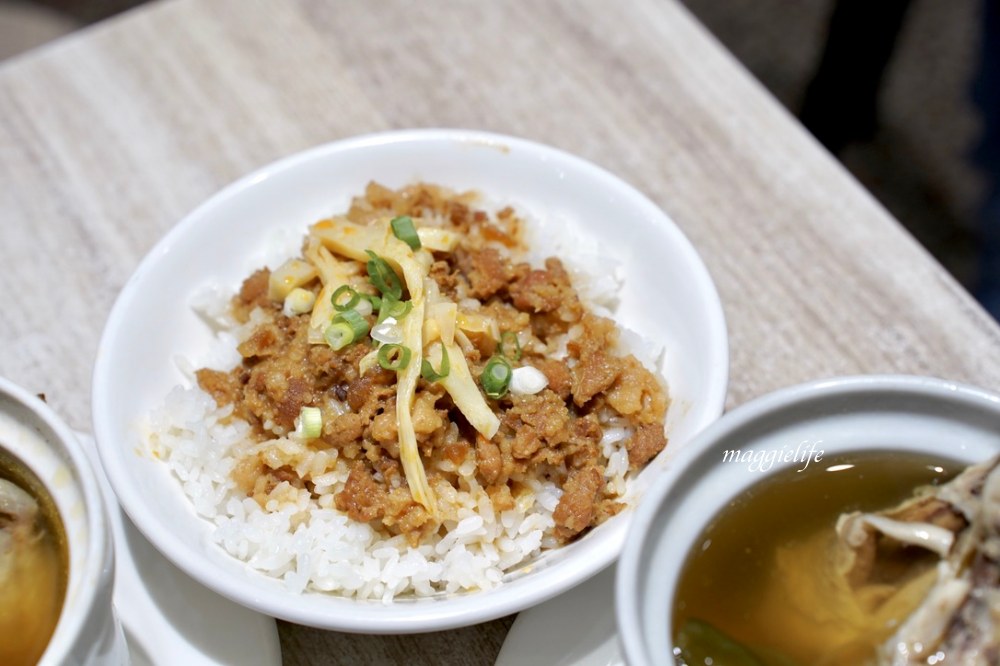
x,y
87,631
668,295
870,413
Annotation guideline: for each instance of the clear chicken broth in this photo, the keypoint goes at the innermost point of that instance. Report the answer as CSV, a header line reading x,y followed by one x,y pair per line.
x,y
752,587
34,564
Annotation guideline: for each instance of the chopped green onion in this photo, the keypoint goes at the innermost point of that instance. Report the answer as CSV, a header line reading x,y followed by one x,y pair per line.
x,y
389,359
298,301
427,370
353,319
393,308
310,424
338,335
508,338
527,380
383,277
403,229
374,300
346,327
364,306
496,377
352,300
398,309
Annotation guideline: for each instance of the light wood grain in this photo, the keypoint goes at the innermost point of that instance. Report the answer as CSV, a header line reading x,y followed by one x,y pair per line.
x,y
110,136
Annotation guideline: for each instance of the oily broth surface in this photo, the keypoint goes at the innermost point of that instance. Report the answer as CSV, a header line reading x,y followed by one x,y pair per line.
x,y
732,577
31,598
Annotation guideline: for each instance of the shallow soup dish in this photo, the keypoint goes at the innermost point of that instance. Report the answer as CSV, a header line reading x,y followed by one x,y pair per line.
x,y
154,338
789,531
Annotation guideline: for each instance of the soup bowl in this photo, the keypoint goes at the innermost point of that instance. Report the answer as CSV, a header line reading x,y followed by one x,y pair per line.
x,y
87,631
667,295
787,430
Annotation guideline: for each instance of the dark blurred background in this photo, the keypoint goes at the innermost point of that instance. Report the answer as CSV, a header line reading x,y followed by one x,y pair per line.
x,y
903,93
899,90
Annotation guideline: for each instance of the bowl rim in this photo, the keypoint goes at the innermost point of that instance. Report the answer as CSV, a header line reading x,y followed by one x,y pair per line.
x,y
67,634
628,576
435,616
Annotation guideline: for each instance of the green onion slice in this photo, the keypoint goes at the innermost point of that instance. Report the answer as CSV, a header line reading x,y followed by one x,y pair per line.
x,y
496,377
338,336
346,327
510,346
397,309
353,298
383,277
352,318
310,424
390,307
403,229
394,357
427,370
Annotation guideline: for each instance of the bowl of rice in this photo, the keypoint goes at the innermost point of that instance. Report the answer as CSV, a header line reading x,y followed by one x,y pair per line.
x,y
407,381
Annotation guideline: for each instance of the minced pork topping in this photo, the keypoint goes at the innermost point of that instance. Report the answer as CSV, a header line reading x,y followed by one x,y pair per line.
x,y
410,338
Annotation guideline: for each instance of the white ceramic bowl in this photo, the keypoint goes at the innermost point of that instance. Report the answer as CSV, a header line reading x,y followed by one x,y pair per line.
x,y
668,296
887,413
87,631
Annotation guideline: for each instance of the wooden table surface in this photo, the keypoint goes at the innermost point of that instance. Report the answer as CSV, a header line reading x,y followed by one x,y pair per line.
x,y
108,137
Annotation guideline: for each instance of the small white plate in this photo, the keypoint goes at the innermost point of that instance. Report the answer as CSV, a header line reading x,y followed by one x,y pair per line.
x,y
576,628
168,618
